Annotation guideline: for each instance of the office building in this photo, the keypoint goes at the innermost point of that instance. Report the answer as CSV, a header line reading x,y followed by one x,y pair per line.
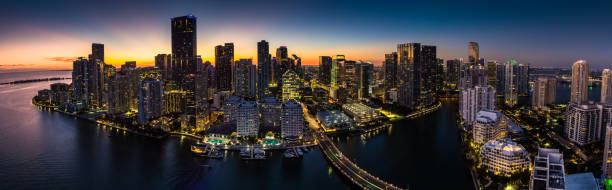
x,y
544,92
270,109
510,88
580,82
336,74
416,69
224,63
366,80
292,120
264,68
247,119
283,62
504,157
452,74
184,46
473,51
246,79
474,100
150,99
164,63
390,73
606,86
548,170
174,101
325,66
290,86
488,126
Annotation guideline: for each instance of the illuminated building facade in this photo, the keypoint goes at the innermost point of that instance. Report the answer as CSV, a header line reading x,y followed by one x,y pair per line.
x,y
224,62
246,79
292,120
544,92
270,110
585,121
504,157
184,47
488,126
230,108
290,86
247,119
473,51
361,114
325,69
548,170
390,70
174,101
580,82
150,99
606,86
510,88
416,71
264,68
164,63
474,100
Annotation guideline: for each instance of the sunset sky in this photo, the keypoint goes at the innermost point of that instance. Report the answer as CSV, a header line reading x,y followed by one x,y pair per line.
x,y
49,34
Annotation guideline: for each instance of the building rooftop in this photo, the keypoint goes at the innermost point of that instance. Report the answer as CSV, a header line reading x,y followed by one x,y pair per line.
x,y
581,181
506,146
486,116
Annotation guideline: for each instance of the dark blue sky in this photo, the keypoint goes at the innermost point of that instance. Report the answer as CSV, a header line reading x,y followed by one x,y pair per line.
x,y
542,33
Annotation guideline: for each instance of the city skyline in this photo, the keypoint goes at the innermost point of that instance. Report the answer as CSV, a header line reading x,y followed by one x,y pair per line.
x,y
50,36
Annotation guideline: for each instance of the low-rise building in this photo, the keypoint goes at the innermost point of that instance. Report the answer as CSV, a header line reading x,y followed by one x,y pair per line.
x,y
504,157
334,119
488,126
548,170
362,114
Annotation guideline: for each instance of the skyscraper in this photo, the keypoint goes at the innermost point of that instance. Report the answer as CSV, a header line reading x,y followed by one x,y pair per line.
x,y
224,58
522,79
474,100
150,99
585,121
80,94
97,52
473,52
452,73
580,81
606,86
263,68
544,92
164,63
415,74
282,60
366,77
390,66
247,120
246,79
292,120
548,170
290,86
510,89
184,47
336,74
607,154
325,66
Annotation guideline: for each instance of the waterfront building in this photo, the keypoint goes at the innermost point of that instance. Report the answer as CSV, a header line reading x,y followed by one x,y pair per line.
x,y
270,109
150,99
474,100
246,79
224,62
123,92
230,108
607,154
606,86
452,73
504,157
488,126
473,51
416,71
184,48
580,82
548,170
292,120
80,93
334,119
325,66
247,119
585,121
290,86
390,71
544,92
60,93
361,114
264,67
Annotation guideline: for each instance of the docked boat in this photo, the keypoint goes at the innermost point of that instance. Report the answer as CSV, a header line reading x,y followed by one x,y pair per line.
x,y
198,148
245,153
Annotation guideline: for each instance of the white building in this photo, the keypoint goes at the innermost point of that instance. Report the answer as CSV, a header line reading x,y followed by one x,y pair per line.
x,y
585,121
544,92
292,120
606,86
504,157
150,99
488,126
475,99
247,120
548,170
607,155
290,86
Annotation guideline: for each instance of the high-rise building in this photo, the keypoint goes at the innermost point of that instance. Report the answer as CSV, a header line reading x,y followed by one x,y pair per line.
x,y
282,60
606,86
504,157
164,63
510,88
416,69
488,126
123,92
174,101
492,73
292,120
580,82
390,66
607,154
325,68
246,80
336,74
544,92
230,108
522,79
184,47
247,120
97,52
500,79
548,170
585,121
472,75
452,74
474,100
224,66
290,86
264,68
366,77
473,52
270,110
150,99
80,94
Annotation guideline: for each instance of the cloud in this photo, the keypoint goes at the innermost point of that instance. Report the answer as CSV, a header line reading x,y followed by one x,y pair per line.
x,y
61,59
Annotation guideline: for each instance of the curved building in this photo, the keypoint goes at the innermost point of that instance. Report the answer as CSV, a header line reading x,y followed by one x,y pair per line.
x,y
580,81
